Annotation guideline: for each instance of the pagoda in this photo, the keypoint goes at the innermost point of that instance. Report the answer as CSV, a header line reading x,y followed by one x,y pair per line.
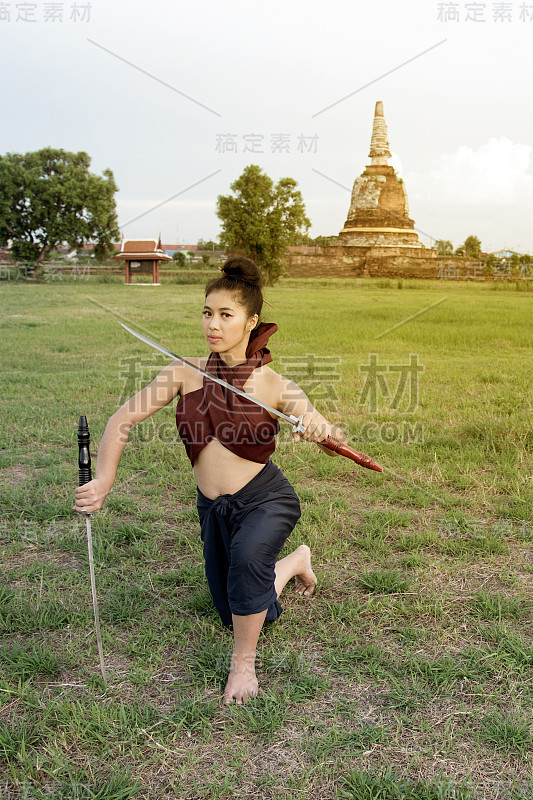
x,y
379,211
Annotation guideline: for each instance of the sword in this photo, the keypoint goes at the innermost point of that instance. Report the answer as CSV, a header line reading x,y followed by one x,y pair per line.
x,y
84,465
297,427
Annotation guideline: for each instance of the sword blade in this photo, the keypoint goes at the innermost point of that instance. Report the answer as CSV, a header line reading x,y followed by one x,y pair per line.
x,y
294,421
95,599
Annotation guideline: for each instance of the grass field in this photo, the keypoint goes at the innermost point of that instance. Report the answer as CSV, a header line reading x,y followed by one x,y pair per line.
x,y
409,675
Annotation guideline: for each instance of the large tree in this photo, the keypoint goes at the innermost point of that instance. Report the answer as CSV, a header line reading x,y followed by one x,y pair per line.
x,y
472,246
260,219
49,198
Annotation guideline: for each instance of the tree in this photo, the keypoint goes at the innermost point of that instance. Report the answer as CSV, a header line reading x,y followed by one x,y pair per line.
x,y
472,246
325,241
49,197
180,257
261,219
301,239
490,264
209,245
444,247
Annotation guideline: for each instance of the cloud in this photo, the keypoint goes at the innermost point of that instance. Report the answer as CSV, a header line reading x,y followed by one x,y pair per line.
x,y
494,174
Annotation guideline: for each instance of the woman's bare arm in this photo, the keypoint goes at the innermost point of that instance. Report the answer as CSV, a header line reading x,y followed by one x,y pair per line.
x,y
293,400
158,394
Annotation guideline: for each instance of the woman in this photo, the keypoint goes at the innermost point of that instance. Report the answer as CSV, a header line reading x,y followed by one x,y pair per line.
x,y
247,508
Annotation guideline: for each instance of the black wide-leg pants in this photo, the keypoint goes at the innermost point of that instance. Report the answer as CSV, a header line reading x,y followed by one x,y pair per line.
x,y
243,534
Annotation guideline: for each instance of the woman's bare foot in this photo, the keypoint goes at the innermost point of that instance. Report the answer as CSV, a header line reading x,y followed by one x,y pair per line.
x,y
305,578
242,682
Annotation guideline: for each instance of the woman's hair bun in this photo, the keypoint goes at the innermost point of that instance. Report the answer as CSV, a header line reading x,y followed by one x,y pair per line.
x,y
245,270
242,277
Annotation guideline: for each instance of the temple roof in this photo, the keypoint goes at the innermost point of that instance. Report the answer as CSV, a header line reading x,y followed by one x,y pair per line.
x,y
142,249
140,245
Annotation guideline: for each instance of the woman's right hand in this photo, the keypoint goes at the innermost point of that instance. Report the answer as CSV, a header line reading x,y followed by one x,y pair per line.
x,y
90,497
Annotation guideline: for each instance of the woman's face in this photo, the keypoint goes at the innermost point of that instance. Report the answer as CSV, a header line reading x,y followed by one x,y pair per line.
x,y
226,323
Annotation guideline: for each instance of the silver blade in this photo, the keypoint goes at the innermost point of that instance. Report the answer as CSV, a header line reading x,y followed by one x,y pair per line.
x,y
95,600
294,421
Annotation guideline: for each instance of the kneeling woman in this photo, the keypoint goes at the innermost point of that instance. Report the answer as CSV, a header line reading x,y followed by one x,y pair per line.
x,y
247,508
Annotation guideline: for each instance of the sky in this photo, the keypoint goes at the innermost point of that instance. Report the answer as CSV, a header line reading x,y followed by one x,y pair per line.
x,y
176,98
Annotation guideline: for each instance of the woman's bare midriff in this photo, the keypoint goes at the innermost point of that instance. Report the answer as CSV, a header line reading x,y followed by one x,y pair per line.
x,y
219,471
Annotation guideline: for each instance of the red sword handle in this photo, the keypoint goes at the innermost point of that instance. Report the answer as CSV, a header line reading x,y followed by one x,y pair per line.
x,y
345,450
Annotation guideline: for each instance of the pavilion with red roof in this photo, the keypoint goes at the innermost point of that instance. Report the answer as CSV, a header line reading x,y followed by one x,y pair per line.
x,y
142,257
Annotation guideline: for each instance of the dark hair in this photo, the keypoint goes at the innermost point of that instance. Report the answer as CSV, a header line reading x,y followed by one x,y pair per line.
x,y
243,277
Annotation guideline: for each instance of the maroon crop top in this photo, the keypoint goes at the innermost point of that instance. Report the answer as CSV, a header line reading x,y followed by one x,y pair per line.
x,y
214,412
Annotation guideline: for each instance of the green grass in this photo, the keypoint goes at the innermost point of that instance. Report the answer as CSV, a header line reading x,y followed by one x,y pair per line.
x,y
384,582
25,662
409,674
496,606
361,785
348,741
502,732
83,786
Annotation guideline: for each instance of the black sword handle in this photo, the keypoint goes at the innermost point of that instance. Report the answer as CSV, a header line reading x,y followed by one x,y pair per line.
x,y
84,455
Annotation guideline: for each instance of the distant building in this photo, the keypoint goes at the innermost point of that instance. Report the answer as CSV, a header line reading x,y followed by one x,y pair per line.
x,y
378,237
170,249
142,257
379,211
505,254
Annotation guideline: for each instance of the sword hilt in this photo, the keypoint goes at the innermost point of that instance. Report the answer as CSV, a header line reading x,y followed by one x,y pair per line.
x,y
84,455
297,426
341,448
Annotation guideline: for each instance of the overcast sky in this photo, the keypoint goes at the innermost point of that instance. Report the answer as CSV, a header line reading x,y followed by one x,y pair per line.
x,y
289,85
